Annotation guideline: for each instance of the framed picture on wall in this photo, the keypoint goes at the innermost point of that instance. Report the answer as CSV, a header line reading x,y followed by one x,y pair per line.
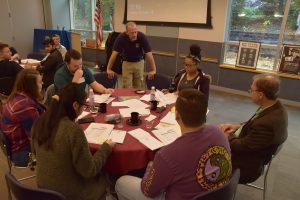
x,y
248,54
290,59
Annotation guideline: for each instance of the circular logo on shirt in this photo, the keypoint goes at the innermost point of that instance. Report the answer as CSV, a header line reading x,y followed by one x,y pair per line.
x,y
214,168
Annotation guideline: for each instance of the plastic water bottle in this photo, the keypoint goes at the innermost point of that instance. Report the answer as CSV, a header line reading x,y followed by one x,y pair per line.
x,y
172,86
152,94
93,109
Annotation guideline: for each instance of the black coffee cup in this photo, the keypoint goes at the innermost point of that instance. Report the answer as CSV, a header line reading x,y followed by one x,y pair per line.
x,y
102,107
134,118
153,105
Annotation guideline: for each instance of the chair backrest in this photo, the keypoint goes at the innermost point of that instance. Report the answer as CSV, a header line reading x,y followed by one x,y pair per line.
x,y
5,146
101,77
226,192
50,91
36,55
160,81
209,77
275,150
23,192
6,85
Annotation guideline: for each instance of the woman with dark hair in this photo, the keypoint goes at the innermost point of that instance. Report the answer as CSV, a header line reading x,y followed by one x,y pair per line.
x,y
20,111
191,76
64,161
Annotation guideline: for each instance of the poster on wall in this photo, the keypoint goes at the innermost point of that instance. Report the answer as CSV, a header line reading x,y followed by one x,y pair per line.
x,y
290,59
248,54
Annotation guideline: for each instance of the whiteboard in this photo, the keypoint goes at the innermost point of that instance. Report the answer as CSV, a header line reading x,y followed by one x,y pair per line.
x,y
196,12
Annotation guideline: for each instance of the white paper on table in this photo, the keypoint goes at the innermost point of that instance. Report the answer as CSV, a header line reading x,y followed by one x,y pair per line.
x,y
30,61
146,139
169,98
126,112
167,135
83,114
164,125
118,104
97,133
101,98
135,103
150,117
110,99
146,97
169,118
117,136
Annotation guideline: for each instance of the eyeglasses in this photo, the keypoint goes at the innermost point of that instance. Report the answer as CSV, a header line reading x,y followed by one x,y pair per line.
x,y
187,65
250,91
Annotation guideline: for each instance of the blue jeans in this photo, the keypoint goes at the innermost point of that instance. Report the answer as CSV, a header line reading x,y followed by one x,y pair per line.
x,y
21,157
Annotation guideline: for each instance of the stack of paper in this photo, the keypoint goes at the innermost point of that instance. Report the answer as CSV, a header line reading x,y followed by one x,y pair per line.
x,y
117,136
146,139
83,114
103,98
167,135
163,99
150,117
169,98
97,133
134,105
126,112
169,118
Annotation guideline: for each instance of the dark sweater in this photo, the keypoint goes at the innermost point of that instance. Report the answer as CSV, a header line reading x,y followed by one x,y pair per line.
x,y
70,168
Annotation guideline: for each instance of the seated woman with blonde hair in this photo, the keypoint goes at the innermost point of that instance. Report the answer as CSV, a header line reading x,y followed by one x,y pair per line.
x,y
20,111
64,161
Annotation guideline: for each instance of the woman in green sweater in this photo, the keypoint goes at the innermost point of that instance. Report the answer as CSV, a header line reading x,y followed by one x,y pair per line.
x,y
64,161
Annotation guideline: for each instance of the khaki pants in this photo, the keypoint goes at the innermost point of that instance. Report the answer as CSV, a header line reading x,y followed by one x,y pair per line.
x,y
133,74
129,188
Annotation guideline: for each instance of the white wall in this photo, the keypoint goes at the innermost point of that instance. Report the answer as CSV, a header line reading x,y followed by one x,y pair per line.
x,y
119,17
5,23
17,30
60,13
219,12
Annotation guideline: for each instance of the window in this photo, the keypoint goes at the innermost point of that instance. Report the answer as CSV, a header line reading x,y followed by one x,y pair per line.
x,y
82,17
262,21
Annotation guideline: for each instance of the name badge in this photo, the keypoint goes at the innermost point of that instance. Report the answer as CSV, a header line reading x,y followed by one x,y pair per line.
x,y
81,80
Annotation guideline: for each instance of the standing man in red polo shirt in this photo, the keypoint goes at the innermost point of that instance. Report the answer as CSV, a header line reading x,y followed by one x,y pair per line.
x,y
132,45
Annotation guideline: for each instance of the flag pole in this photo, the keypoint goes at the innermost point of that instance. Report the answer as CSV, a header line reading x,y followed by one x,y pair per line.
x,y
98,22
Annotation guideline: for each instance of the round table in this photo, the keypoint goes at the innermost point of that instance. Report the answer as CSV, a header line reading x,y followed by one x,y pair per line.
x,y
131,155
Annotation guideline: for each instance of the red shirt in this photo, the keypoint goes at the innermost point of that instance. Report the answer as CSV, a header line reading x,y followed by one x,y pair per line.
x,y
18,116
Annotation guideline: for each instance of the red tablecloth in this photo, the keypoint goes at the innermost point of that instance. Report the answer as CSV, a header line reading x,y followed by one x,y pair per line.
x,y
130,155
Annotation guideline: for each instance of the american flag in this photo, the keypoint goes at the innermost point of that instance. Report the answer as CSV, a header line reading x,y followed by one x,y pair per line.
x,y
98,22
